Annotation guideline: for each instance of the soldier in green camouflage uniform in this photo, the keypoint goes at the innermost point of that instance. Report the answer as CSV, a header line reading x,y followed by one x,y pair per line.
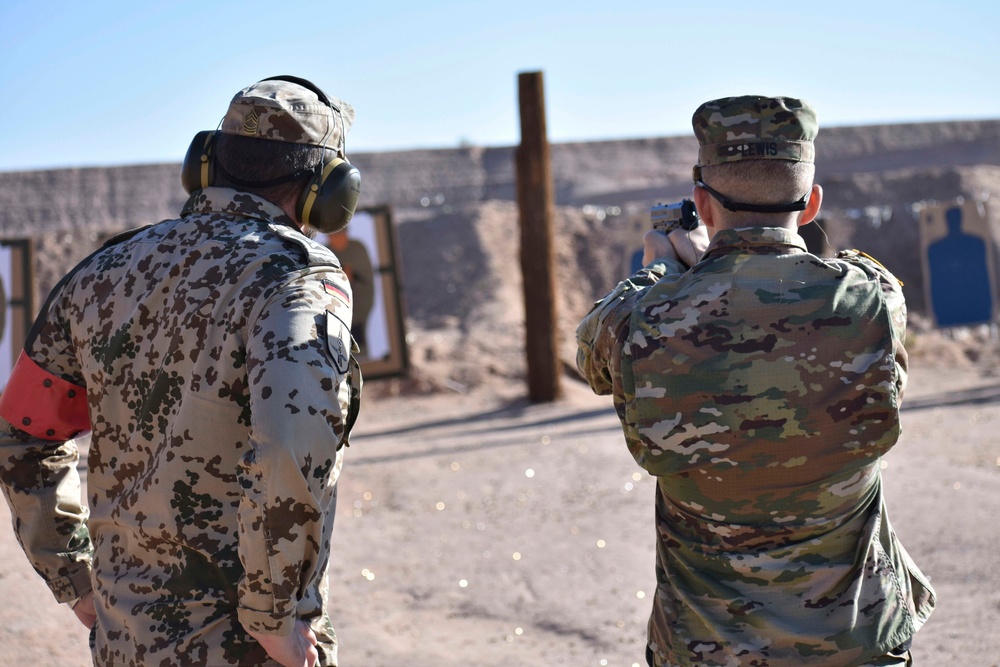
x,y
761,384
210,359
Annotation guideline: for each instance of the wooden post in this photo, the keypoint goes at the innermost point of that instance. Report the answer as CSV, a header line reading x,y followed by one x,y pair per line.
x,y
536,203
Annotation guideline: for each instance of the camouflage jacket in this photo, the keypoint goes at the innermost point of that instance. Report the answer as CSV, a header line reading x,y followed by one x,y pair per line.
x,y
214,351
761,387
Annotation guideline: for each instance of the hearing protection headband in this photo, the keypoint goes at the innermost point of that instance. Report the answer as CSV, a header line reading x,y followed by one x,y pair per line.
x,y
309,85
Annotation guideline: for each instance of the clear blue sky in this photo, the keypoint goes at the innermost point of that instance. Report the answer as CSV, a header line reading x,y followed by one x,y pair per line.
x,y
110,82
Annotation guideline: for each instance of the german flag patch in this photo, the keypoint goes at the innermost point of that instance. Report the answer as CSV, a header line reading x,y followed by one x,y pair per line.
x,y
336,290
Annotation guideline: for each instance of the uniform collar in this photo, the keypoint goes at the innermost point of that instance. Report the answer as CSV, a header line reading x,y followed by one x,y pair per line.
x,y
235,202
757,240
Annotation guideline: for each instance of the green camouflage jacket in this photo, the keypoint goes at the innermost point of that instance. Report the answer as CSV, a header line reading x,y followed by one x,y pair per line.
x,y
214,350
761,387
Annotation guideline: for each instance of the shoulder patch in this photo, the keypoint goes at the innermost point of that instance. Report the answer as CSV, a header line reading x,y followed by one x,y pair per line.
x,y
336,290
336,333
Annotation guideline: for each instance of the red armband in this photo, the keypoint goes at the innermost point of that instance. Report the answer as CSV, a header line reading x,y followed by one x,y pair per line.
x,y
43,404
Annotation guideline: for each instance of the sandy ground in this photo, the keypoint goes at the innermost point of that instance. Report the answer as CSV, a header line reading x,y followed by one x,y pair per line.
x,y
479,529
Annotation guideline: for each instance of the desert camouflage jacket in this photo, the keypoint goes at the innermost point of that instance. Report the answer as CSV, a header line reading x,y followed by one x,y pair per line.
x,y
761,387
214,351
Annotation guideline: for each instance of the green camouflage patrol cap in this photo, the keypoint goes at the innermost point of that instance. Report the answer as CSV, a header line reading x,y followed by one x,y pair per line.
x,y
752,127
282,110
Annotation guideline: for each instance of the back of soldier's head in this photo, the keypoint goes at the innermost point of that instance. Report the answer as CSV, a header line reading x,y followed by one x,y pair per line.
x,y
272,169
279,129
761,181
278,136
757,151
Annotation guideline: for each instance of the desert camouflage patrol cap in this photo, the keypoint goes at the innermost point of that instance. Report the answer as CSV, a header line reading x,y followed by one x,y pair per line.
x,y
282,110
752,127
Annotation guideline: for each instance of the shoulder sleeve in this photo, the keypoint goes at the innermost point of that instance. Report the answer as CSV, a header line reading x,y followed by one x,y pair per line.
x,y
601,333
298,360
892,291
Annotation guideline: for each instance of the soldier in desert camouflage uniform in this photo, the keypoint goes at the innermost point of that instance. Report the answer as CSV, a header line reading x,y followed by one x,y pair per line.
x,y
210,359
761,384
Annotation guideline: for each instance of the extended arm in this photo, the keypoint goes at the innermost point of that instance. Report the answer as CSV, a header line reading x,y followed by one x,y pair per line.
x,y
601,333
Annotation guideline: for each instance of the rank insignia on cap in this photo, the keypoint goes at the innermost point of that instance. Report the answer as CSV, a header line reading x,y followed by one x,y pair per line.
x,y
251,123
337,291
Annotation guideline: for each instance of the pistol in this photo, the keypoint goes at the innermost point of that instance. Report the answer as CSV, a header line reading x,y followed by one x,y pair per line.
x,y
667,217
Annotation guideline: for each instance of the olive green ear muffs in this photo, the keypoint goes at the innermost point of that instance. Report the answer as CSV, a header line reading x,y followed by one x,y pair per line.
x,y
198,170
330,196
328,201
